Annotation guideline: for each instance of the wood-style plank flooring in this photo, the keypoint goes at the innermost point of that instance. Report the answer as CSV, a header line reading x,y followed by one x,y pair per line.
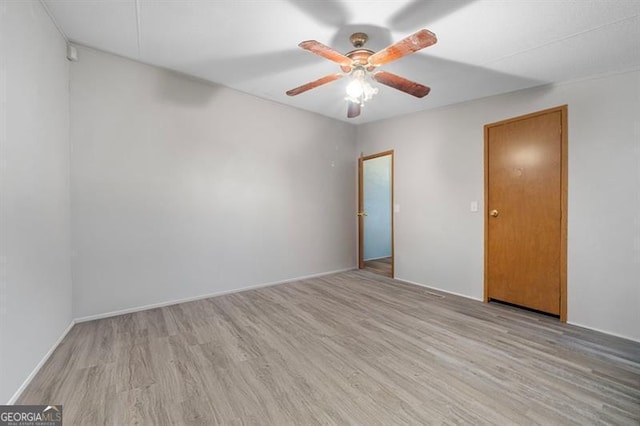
x,y
379,266
350,348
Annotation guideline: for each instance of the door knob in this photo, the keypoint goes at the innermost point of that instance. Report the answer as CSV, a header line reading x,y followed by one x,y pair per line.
x,y
494,213
362,214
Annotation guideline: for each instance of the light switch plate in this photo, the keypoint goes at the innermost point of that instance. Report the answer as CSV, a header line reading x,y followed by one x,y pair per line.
x,y
396,208
473,206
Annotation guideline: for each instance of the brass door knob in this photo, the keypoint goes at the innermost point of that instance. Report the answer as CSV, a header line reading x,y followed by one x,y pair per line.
x,y
362,214
494,213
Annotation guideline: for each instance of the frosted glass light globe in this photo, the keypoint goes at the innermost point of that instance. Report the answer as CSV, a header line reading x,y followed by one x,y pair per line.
x,y
355,89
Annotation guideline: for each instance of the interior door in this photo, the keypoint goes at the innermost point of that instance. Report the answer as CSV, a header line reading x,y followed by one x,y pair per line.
x,y
525,241
375,213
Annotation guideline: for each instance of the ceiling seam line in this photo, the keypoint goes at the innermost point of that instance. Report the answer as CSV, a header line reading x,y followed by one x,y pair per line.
x,y
560,39
53,20
137,4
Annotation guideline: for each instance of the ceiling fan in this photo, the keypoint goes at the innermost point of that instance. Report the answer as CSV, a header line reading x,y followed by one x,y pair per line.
x,y
361,64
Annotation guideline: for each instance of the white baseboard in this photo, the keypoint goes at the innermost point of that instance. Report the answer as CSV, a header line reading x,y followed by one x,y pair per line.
x,y
437,289
30,377
204,296
610,333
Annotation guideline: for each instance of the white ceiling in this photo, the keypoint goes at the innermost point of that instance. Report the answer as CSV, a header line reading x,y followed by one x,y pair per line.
x,y
485,47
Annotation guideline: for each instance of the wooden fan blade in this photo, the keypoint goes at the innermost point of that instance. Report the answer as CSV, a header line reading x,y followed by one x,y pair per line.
x,y
404,47
312,85
326,52
402,84
353,110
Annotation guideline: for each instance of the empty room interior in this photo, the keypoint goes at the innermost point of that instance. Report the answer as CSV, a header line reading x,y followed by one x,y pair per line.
x,y
320,212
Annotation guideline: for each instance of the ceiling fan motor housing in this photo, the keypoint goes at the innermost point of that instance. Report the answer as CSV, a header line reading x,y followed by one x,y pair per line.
x,y
360,57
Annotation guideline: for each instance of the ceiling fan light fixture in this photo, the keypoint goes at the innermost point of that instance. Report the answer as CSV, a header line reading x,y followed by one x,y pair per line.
x,y
360,90
361,66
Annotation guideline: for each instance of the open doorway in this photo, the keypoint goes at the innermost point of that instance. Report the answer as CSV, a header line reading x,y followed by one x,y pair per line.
x,y
375,213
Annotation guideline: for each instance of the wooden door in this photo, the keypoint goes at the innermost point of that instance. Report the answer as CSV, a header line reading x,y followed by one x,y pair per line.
x,y
525,200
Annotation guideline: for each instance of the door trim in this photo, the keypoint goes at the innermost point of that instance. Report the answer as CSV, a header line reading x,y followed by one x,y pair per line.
x,y
563,200
361,161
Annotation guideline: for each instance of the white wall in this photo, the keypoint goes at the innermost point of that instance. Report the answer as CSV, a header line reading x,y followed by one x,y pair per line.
x,y
35,279
182,188
439,170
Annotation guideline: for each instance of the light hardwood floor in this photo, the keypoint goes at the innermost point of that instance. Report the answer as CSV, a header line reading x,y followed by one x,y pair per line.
x,y
350,348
